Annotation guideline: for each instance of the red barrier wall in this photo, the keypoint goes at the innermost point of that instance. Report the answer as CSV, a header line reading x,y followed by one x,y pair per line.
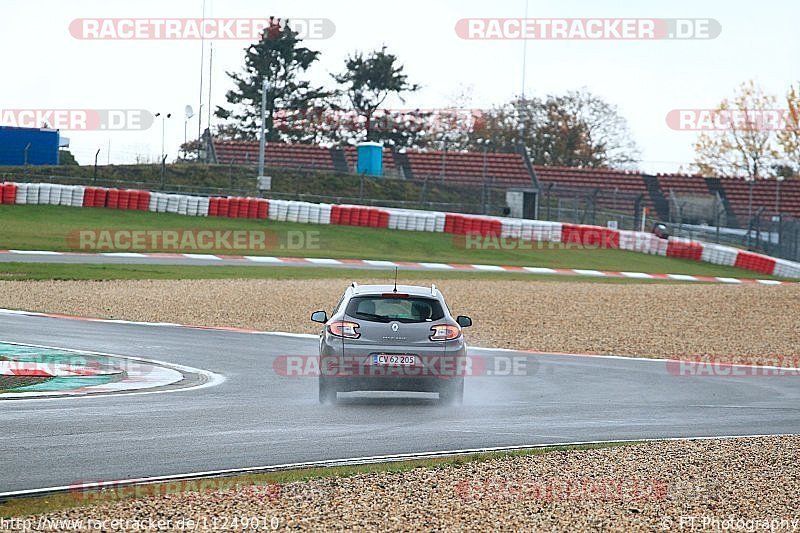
x,y
756,262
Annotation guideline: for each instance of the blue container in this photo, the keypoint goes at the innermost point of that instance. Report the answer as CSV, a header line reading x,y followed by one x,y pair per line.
x,y
43,148
370,159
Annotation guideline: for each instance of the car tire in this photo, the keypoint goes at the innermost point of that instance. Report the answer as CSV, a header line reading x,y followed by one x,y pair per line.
x,y
327,392
452,394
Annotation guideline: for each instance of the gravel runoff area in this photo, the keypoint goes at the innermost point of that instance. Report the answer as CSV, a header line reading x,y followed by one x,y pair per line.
x,y
683,486
746,324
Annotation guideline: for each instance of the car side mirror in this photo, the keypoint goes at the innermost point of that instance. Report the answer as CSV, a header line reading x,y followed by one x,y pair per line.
x,y
319,316
464,321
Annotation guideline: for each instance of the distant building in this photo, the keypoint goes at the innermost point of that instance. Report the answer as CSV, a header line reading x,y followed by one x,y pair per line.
x,y
28,146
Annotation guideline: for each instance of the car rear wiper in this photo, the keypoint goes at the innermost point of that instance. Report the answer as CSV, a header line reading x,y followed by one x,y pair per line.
x,y
379,318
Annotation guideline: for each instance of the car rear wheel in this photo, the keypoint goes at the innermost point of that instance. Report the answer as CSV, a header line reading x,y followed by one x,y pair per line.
x,y
452,394
327,392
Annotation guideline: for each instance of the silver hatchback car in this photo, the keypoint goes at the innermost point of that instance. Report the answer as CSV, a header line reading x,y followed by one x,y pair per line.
x,y
392,338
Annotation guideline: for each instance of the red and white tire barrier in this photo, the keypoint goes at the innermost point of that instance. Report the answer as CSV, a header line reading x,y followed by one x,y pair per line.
x,y
473,226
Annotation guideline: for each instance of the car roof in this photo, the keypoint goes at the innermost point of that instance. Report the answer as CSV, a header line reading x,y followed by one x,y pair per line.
x,y
415,290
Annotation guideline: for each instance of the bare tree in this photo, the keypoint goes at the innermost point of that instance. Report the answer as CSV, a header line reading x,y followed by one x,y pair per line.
x,y
789,136
742,143
576,129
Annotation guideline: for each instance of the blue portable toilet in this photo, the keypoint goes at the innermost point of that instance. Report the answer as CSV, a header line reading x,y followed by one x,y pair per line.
x,y
370,158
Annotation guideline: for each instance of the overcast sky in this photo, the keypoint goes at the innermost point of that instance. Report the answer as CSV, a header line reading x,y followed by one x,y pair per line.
x,y
43,66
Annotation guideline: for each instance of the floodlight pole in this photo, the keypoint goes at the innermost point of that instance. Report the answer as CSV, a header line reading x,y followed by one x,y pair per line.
x,y
261,147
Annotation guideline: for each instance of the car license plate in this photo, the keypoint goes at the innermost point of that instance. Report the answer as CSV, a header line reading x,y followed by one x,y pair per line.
x,y
385,359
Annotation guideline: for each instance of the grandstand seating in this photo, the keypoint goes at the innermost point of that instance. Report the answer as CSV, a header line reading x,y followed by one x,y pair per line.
x,y
764,192
476,168
683,184
504,169
617,188
276,155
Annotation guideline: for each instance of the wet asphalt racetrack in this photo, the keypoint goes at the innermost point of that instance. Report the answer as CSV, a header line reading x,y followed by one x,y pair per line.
x,y
258,417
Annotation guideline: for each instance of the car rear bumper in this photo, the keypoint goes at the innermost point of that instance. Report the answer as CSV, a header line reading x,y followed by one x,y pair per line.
x,y
404,384
349,366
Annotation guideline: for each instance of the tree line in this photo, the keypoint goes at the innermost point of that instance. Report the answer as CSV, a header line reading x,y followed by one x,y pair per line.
x,y
752,135
576,129
573,129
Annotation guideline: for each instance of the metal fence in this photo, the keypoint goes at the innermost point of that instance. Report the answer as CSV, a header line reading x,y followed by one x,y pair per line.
x,y
775,236
706,209
695,218
596,206
296,184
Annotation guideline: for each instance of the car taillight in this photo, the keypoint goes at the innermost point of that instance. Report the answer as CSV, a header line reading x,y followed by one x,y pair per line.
x,y
444,332
348,330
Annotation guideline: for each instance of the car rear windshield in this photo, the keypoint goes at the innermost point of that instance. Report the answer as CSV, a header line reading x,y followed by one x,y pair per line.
x,y
389,308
